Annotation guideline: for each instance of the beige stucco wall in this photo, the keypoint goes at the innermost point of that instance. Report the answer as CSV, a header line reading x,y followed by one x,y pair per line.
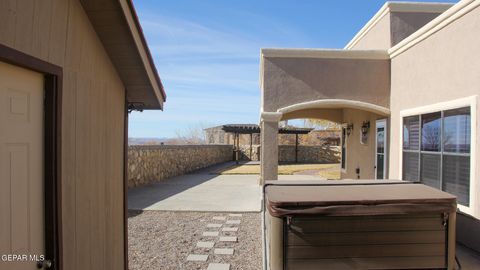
x,y
360,155
59,32
392,28
443,67
377,38
334,115
403,24
289,81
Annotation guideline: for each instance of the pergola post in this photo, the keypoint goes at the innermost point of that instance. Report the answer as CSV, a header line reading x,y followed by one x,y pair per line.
x,y
251,145
269,146
237,148
296,147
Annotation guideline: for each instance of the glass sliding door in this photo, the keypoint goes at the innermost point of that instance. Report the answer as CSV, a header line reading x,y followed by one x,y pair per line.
x,y
344,148
380,149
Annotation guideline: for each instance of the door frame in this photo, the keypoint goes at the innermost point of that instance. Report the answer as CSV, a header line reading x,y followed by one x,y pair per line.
x,y
53,77
343,146
385,147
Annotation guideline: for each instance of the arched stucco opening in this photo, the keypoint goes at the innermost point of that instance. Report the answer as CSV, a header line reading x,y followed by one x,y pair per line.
x,y
334,104
361,154
333,115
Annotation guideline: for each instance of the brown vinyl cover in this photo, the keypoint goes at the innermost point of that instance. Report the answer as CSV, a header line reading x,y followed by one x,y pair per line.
x,y
365,198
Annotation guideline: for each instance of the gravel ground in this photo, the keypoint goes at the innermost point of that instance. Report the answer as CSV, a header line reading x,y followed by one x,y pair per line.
x,y
163,240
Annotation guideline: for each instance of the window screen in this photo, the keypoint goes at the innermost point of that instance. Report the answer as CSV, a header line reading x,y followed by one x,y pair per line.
x,y
456,177
436,151
430,170
456,131
411,133
411,166
431,132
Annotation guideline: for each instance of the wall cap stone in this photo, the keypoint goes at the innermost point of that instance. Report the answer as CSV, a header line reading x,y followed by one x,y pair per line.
x,y
174,146
270,116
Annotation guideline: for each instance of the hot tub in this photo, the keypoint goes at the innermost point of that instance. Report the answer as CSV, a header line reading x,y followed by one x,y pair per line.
x,y
358,224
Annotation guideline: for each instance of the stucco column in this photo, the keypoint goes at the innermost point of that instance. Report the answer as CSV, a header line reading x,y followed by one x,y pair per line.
x,y
269,146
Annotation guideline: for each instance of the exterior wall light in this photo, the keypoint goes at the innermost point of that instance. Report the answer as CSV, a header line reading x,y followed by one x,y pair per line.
x,y
349,129
364,133
365,127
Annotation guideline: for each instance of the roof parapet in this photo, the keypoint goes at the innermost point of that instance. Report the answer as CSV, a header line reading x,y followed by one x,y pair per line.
x,y
457,11
419,7
318,53
324,53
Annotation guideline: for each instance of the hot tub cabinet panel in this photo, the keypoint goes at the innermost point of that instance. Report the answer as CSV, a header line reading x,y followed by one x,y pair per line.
x,y
323,235
366,242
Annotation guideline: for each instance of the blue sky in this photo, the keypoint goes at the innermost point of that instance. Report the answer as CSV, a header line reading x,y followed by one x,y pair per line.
x,y
207,53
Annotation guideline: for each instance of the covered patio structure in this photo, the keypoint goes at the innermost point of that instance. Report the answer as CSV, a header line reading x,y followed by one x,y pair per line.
x,y
350,87
250,129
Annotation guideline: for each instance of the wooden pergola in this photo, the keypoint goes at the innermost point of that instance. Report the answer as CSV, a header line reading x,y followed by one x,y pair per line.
x,y
251,129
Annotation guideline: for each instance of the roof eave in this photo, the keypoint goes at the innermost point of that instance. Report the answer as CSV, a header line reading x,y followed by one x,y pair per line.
x,y
118,28
146,50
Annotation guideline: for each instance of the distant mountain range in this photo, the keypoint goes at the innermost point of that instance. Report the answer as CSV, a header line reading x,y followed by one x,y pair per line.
x,y
151,141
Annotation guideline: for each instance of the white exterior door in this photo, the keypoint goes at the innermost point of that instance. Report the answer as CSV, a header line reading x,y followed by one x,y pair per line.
x,y
381,149
21,167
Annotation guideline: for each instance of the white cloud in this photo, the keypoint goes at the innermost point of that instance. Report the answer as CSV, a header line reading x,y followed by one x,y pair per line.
x,y
220,76
178,40
210,73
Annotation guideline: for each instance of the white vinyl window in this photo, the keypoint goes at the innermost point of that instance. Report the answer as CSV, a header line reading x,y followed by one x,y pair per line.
x,y
437,151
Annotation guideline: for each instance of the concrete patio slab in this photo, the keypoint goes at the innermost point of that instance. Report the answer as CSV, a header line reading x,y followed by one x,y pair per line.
x,y
468,258
228,239
210,234
233,222
229,229
214,225
300,177
201,191
218,266
205,244
224,251
197,258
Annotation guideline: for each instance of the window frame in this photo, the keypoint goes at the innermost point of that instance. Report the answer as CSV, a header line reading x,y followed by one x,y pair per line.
x,y
385,148
471,102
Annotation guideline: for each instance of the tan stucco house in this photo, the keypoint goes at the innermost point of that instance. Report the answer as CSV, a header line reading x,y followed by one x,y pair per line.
x,y
405,90
70,70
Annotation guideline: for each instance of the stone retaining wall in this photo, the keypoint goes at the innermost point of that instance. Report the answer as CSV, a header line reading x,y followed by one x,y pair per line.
x,y
309,154
153,163
306,153
245,152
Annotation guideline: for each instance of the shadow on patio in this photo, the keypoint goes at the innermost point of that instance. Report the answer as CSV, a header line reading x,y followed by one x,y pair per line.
x,y
199,191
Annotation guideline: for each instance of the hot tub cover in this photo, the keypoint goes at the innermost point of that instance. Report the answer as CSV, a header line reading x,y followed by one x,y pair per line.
x,y
354,198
